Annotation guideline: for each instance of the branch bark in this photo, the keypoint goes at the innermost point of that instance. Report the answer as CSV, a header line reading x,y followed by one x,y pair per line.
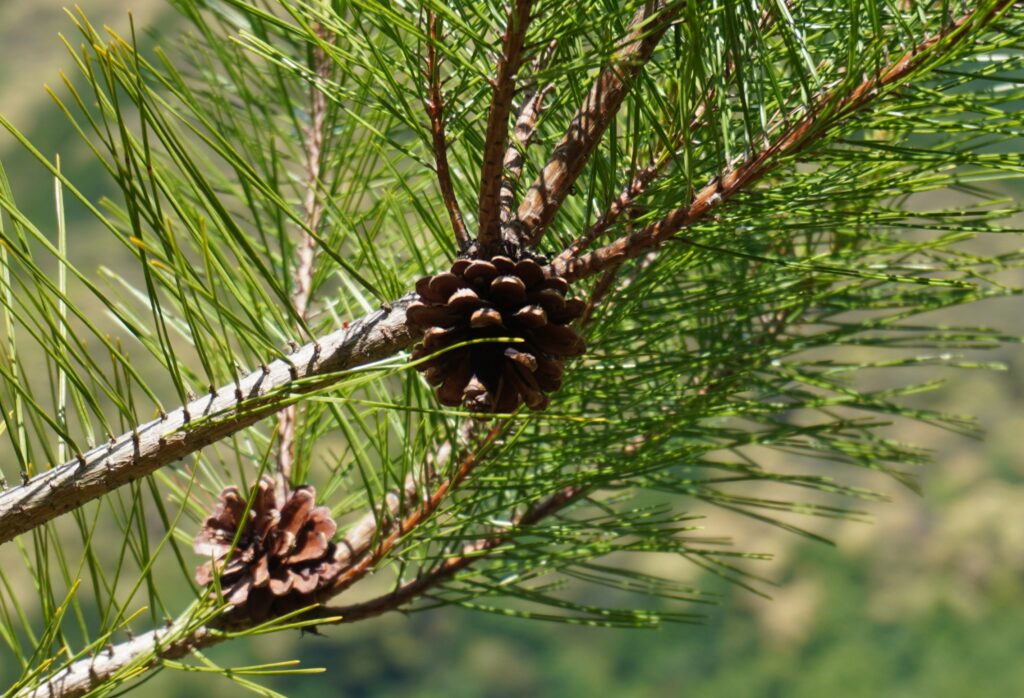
x,y
587,127
203,421
435,109
522,135
496,138
86,674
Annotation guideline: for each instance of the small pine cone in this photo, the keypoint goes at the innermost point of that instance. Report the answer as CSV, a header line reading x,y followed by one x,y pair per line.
x,y
499,297
283,555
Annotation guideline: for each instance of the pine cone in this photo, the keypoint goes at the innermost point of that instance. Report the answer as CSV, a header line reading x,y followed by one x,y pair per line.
x,y
478,299
284,552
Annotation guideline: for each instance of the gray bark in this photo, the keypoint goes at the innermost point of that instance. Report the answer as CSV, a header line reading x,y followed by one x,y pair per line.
x,y
203,421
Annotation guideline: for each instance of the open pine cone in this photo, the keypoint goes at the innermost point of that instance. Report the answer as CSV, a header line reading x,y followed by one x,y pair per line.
x,y
283,555
499,297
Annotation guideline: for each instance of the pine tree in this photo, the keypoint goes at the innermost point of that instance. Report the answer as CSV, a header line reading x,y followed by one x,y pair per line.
x,y
486,298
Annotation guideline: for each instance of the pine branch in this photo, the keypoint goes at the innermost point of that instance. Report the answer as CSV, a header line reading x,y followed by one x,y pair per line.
x,y
435,109
831,108
219,414
602,103
496,138
382,532
471,553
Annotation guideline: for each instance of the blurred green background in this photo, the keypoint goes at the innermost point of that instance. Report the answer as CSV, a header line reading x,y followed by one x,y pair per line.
x,y
926,600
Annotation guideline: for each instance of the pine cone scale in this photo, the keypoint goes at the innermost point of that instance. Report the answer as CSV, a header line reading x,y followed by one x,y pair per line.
x,y
284,551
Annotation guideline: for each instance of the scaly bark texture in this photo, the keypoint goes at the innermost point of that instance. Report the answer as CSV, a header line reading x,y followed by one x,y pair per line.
x,y
545,196
496,137
203,421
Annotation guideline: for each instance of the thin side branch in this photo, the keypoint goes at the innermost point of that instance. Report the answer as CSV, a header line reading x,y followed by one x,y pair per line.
x,y
587,127
435,109
429,505
832,108
522,135
634,190
375,524
496,138
312,209
471,553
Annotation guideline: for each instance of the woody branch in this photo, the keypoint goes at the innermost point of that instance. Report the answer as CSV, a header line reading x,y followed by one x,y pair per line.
x,y
435,110
602,103
496,136
522,136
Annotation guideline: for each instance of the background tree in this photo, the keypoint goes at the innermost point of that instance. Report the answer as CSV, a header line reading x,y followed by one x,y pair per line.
x,y
730,188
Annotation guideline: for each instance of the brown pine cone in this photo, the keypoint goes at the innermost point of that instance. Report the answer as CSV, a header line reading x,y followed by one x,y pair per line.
x,y
499,297
283,554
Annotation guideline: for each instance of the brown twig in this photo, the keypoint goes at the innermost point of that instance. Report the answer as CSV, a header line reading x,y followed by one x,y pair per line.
x,y
637,186
646,175
471,553
587,127
435,109
496,138
831,108
312,208
430,504
376,523
522,135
